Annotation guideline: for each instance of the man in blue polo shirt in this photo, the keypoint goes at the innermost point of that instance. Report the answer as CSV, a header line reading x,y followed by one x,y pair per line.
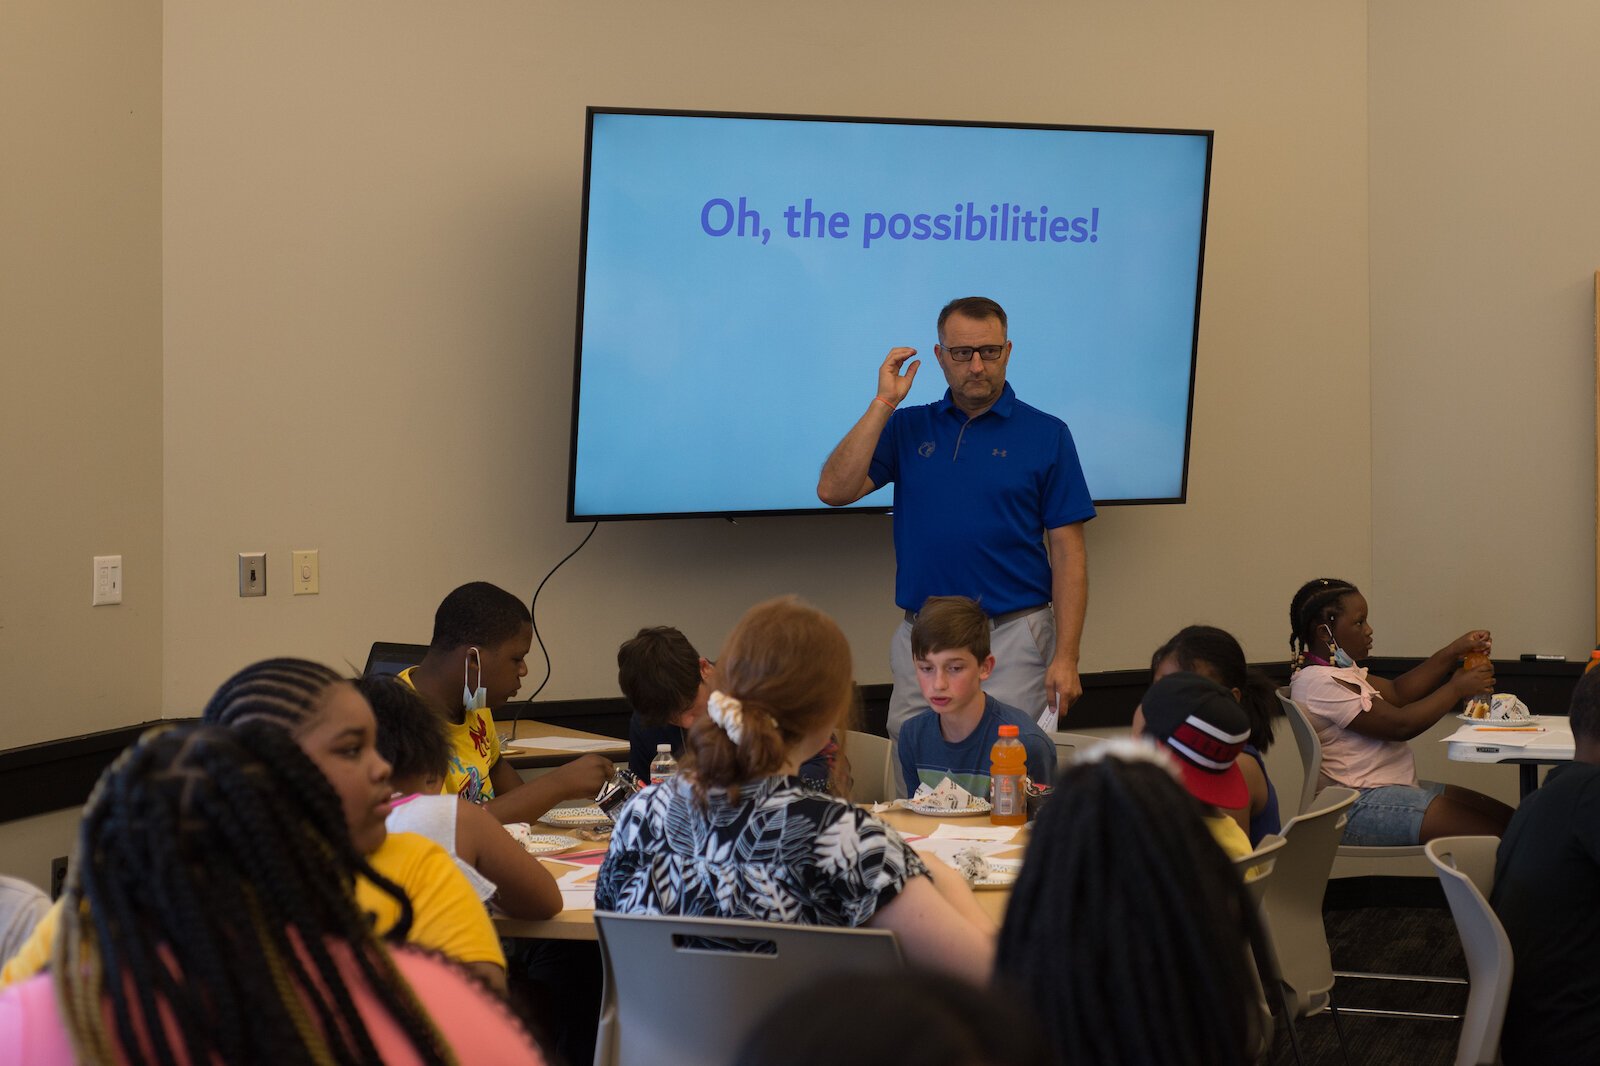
x,y
982,482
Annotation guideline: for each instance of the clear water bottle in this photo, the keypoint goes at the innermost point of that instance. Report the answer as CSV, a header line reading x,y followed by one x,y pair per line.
x,y
663,767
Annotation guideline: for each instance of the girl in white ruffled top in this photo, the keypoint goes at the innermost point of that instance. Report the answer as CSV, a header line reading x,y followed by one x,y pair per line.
x,y
1364,721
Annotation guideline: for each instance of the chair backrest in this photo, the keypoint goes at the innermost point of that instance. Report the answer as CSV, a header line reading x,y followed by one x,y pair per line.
x,y
386,657
1257,866
1256,870
1305,739
1466,870
1069,744
686,991
871,773
1293,905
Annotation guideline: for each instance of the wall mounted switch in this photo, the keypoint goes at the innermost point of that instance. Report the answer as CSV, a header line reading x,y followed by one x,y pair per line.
x,y
252,573
107,580
304,575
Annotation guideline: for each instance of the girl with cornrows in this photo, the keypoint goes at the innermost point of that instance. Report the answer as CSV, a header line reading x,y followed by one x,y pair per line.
x,y
1364,721
333,725
209,919
736,834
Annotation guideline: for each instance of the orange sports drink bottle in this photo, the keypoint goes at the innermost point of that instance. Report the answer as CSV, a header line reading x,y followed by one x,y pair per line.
x,y
1008,766
1477,705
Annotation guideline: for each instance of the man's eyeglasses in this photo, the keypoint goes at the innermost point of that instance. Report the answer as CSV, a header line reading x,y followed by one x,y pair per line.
x,y
988,353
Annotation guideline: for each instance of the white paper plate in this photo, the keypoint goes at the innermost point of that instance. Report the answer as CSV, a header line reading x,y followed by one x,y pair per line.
x,y
575,817
978,807
539,843
1500,723
542,844
1002,874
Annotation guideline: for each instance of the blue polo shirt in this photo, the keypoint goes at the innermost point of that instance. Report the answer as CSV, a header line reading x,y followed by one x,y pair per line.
x,y
973,498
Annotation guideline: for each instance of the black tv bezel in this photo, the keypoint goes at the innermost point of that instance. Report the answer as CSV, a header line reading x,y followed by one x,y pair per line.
x,y
583,260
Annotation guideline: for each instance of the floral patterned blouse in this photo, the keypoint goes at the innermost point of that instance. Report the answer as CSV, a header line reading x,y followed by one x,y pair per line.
x,y
782,853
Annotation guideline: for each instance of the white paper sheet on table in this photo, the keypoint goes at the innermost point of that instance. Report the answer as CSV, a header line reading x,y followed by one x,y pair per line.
x,y
577,890
955,831
567,744
1497,738
945,850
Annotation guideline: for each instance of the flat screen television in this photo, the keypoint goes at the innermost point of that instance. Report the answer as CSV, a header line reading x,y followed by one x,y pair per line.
x,y
742,276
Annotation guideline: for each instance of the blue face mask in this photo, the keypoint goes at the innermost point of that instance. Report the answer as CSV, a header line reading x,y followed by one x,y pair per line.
x,y
1341,658
473,700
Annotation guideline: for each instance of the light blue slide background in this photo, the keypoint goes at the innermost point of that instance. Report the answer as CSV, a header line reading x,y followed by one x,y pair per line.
x,y
718,372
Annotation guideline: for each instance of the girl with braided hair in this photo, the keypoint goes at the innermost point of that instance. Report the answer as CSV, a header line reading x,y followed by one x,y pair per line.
x,y
737,834
333,725
1214,654
208,919
1364,721
1128,929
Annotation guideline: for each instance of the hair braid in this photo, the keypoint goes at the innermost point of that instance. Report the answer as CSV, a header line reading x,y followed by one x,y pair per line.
x,y
1306,607
284,692
1217,654
210,908
1123,869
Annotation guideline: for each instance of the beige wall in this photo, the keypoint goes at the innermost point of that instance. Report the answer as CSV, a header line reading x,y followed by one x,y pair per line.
x,y
80,364
370,221
369,235
1485,238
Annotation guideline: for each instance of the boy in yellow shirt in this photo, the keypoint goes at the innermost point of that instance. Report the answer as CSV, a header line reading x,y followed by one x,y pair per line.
x,y
475,663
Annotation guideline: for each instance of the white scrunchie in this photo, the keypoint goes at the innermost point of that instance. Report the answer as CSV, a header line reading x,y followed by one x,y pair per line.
x,y
728,713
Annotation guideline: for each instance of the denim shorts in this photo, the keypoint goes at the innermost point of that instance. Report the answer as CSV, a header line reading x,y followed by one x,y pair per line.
x,y
1390,815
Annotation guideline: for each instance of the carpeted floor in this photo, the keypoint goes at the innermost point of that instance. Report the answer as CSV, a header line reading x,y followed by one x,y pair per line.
x,y
1416,939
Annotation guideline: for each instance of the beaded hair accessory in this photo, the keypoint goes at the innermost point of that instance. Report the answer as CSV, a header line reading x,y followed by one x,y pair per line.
x,y
729,714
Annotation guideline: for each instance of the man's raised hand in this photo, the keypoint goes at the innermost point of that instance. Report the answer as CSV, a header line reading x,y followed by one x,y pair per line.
x,y
895,376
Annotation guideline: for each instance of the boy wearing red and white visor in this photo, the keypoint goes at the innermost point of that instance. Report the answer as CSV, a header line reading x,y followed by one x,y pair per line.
x,y
1203,727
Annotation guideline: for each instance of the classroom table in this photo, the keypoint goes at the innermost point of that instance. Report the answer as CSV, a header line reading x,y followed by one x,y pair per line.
x,y
1547,740
532,758
578,924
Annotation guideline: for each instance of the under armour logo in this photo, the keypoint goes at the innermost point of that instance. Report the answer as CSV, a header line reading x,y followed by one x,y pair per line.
x,y
925,449
1001,452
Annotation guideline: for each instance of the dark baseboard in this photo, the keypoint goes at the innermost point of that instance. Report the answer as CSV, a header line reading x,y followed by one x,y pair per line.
x,y
57,774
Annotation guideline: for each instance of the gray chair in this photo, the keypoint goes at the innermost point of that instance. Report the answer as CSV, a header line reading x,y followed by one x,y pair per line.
x,y
1310,749
686,991
872,775
1256,870
1256,867
1069,744
1466,870
1292,910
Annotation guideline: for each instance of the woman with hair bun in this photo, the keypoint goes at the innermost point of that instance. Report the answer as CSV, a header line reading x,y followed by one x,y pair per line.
x,y
737,835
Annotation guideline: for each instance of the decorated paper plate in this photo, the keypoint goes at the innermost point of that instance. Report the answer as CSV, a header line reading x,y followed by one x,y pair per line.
x,y
1500,723
539,843
974,808
575,817
1001,873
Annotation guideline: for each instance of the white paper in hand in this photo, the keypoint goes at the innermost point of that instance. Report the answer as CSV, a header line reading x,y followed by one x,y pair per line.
x,y
1051,718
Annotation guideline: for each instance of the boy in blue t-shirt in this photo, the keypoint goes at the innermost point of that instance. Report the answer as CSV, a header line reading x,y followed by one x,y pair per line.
x,y
950,644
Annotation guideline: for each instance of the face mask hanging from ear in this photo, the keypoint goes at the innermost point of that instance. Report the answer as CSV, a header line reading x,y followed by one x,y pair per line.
x,y
473,700
1341,658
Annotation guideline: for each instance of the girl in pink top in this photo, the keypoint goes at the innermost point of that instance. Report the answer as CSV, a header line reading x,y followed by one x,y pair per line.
x,y
209,918
1364,721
